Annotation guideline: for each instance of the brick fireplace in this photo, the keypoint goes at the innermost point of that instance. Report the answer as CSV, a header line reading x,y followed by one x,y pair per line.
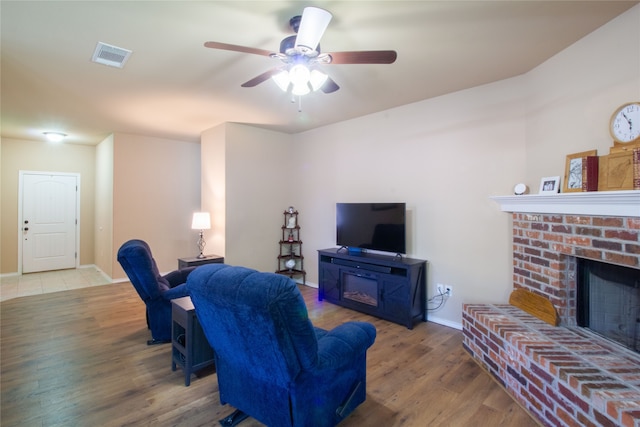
x,y
564,376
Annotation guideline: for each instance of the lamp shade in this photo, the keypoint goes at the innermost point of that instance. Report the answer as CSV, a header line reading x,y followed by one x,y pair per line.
x,y
300,90
201,221
317,79
282,80
299,75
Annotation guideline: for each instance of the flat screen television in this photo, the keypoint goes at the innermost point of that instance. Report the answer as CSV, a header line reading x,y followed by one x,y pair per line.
x,y
375,226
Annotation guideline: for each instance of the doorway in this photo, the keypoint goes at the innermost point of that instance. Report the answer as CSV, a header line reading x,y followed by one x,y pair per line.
x,y
49,209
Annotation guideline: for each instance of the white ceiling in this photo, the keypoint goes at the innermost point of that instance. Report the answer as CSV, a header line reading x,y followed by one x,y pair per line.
x,y
174,87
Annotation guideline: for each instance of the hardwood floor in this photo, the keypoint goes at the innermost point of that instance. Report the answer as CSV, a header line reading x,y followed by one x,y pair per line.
x,y
79,358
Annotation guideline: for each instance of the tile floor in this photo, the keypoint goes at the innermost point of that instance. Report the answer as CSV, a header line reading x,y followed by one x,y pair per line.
x,y
50,281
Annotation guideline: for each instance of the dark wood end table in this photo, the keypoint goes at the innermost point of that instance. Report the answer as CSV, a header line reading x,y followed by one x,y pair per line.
x,y
190,348
195,261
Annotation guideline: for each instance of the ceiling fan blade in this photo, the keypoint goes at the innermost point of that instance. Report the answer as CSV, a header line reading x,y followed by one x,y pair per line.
x,y
329,86
312,26
236,48
261,78
364,57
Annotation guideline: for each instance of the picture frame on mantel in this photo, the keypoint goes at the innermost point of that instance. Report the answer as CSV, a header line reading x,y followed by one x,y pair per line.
x,y
549,185
573,171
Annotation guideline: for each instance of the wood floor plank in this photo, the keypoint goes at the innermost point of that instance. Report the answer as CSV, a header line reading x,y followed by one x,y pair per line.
x,y
79,357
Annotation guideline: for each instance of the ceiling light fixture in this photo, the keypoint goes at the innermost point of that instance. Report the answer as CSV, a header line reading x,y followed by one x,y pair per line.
x,y
300,80
55,136
299,75
317,79
300,89
282,80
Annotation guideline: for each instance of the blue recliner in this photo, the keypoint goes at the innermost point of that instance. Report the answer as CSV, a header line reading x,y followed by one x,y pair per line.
x,y
156,290
272,363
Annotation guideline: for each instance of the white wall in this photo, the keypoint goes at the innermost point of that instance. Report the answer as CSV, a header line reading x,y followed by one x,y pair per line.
x,y
156,189
572,96
103,230
257,195
257,187
444,157
213,188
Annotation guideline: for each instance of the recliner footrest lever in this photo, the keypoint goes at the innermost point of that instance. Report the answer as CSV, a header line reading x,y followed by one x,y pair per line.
x,y
340,410
234,419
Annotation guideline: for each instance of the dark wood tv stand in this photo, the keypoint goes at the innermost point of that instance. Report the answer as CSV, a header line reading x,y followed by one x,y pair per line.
x,y
384,286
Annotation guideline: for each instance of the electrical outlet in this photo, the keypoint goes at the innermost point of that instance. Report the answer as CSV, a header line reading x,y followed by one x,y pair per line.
x,y
445,290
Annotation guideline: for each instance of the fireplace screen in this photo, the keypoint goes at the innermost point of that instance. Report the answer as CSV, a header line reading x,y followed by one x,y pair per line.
x,y
609,302
360,288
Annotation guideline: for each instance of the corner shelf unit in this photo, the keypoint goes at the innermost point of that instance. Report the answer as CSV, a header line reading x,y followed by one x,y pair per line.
x,y
290,258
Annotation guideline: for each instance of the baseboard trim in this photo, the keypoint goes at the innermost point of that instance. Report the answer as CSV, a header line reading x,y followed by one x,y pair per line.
x,y
444,322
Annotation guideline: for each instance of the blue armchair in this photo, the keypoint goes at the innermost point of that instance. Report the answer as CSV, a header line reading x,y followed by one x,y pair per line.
x,y
156,290
272,363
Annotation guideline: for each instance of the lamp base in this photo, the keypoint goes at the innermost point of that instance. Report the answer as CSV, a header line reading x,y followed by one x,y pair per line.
x,y
201,245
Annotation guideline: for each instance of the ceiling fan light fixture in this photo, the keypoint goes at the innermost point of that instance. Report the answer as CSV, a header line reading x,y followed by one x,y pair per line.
x,y
317,79
312,26
282,80
299,75
300,89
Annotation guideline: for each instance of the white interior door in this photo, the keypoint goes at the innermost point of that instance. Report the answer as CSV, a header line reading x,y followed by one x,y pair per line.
x,y
49,221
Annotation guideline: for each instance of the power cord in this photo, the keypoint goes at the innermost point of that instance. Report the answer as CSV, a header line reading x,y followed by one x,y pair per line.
x,y
440,297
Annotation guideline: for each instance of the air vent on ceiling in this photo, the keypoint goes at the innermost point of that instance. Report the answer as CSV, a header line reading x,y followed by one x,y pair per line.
x,y
112,56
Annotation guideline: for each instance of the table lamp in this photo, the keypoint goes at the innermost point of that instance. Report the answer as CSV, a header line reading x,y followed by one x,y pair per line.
x,y
201,221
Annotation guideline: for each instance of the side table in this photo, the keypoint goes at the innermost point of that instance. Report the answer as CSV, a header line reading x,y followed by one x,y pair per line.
x,y
195,261
190,348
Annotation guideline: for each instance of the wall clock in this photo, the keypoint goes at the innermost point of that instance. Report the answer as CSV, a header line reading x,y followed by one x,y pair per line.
x,y
625,123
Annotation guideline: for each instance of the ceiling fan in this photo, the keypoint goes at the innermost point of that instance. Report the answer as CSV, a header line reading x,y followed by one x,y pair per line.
x,y
301,57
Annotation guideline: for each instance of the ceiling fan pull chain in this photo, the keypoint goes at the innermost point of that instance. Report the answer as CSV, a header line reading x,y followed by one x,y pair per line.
x,y
299,104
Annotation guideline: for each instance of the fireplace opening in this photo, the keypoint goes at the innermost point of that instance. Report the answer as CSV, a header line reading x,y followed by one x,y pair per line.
x,y
360,288
608,302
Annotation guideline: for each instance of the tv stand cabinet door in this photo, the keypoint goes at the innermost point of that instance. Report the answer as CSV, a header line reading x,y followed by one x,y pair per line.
x,y
395,301
329,286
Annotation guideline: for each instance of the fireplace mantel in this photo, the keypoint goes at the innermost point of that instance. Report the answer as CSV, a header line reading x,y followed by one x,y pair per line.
x,y
602,203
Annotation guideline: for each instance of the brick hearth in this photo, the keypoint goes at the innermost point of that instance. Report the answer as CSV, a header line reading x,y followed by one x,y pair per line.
x,y
564,376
